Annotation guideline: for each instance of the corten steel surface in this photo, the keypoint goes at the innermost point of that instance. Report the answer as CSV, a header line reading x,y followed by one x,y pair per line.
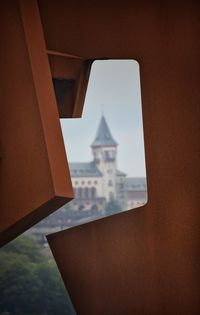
x,y
71,75
144,261
34,176
139,262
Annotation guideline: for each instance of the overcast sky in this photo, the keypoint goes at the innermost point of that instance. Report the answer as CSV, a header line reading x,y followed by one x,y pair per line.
x,y
114,90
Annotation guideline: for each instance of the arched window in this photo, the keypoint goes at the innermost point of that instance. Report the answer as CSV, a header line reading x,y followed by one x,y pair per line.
x,y
93,192
86,194
79,192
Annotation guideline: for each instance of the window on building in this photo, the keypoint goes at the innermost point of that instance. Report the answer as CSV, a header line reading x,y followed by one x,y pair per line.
x,y
79,192
109,155
86,192
93,192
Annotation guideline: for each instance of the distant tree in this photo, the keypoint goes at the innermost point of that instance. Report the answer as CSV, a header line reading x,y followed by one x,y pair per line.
x,y
29,284
112,207
54,298
19,285
25,245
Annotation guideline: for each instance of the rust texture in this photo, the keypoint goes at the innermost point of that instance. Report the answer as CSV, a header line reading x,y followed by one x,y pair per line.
x,y
144,261
71,75
34,178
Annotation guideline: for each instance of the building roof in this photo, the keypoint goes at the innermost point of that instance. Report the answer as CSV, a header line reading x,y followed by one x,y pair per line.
x,y
135,184
84,169
103,136
120,173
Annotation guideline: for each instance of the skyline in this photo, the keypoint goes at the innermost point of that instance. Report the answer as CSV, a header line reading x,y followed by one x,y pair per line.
x,y
114,91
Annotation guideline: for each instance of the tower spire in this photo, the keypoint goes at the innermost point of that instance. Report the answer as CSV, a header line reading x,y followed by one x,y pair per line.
x,y
103,135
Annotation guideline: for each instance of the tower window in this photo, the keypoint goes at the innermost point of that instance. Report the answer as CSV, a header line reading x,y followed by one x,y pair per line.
x,y
109,155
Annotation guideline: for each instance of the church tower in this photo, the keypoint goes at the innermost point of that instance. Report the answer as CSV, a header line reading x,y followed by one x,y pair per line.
x,y
104,149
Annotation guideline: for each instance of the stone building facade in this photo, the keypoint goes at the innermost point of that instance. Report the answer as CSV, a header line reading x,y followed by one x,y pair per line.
x,y
97,182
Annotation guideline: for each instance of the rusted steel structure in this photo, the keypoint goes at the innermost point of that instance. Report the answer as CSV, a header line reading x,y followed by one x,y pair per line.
x,y
138,262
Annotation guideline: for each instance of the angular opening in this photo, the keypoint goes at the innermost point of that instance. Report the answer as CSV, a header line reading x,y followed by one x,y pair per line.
x,y
105,151
105,148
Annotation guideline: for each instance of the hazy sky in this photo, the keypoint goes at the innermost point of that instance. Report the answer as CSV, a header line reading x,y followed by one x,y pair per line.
x,y
114,89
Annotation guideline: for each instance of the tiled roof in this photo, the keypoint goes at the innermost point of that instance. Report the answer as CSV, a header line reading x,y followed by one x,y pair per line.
x,y
136,184
84,169
103,136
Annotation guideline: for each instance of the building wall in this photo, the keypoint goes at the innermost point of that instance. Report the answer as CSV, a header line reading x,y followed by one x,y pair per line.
x,y
143,262
89,182
105,157
121,194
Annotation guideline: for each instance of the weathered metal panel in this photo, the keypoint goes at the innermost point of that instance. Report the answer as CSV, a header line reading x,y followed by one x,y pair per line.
x,y
34,175
144,261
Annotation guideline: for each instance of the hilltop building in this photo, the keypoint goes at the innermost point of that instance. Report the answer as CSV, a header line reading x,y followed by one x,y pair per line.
x,y
97,182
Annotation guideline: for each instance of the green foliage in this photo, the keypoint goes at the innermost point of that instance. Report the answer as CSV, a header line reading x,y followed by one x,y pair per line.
x,y
29,284
18,284
25,246
112,207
